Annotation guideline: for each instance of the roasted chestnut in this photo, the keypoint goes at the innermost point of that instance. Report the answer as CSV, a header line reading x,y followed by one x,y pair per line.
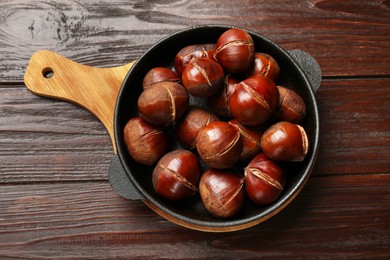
x,y
219,145
219,102
163,103
265,65
292,108
159,74
203,77
250,138
235,50
254,100
264,180
222,193
188,53
145,142
285,141
176,175
188,127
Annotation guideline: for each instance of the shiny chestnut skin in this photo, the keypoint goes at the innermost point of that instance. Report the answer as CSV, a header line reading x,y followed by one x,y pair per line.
x,y
254,100
163,103
264,180
250,138
187,128
292,108
159,74
285,141
219,102
203,77
176,175
222,193
265,65
219,145
235,50
145,142
188,53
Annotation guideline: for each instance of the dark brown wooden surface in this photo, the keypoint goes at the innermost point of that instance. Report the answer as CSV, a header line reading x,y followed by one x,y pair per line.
x,y
55,199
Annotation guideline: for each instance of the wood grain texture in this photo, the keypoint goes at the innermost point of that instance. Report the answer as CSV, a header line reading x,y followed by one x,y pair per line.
x,y
88,220
354,125
44,140
348,38
56,202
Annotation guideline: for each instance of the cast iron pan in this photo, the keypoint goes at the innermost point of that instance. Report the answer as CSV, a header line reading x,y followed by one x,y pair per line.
x,y
98,89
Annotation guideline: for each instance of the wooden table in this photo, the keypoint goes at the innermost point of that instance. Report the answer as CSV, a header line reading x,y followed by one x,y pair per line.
x,y
55,198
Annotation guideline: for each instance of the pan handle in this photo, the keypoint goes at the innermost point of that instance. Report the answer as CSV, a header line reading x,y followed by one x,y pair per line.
x,y
310,67
120,182
96,89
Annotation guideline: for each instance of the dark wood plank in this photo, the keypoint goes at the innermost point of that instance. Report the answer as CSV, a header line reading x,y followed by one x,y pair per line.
x,y
348,38
78,220
354,125
45,140
56,202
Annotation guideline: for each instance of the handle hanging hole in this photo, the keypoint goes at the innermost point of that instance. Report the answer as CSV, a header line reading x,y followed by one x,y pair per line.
x,y
47,72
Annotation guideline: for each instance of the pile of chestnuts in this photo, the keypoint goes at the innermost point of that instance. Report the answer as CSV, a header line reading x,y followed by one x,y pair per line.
x,y
231,148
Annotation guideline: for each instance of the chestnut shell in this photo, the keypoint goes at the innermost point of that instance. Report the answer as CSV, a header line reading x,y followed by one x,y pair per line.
x,y
222,192
145,142
192,214
219,145
176,175
163,103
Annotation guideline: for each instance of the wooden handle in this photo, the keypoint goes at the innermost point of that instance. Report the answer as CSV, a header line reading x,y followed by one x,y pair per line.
x,y
96,89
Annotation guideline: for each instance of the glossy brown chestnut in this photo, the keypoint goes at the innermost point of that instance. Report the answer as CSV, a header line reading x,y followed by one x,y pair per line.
x,y
254,100
250,138
219,145
219,102
292,108
235,50
188,53
163,103
203,77
222,193
285,141
188,127
145,142
264,180
176,175
265,65
159,74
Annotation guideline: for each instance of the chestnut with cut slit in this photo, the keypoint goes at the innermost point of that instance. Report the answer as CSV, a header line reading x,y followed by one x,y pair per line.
x,y
163,103
264,180
222,193
176,175
285,141
292,108
254,100
235,50
219,145
145,142
203,77
265,65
